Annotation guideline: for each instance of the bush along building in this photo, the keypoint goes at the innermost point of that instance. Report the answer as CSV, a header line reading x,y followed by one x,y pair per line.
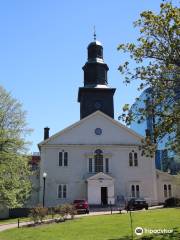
x,y
97,158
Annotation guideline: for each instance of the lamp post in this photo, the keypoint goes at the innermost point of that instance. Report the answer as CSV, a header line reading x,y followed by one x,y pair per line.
x,y
44,182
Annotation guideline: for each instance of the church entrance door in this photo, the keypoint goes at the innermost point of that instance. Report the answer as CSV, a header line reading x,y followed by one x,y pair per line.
x,y
100,189
104,195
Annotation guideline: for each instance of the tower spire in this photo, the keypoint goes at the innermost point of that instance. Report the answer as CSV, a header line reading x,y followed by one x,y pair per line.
x,y
96,94
94,33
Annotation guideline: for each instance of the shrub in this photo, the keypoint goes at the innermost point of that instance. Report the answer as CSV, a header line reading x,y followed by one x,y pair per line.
x,y
60,211
34,215
72,211
172,202
42,213
38,213
64,210
52,212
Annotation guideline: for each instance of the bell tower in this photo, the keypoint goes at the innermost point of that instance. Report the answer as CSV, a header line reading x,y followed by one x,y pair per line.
x,y
96,94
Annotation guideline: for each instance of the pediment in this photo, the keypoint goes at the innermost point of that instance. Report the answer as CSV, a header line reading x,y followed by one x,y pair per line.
x,y
84,132
100,177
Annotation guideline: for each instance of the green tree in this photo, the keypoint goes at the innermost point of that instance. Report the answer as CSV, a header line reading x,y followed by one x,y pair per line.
x,y
157,57
15,185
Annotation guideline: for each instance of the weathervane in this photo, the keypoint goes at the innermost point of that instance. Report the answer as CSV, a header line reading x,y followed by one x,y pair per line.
x,y
94,33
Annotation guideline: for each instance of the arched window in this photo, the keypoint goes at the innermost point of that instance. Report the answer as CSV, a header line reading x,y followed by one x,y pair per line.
x,y
169,190
98,161
98,151
133,191
130,159
135,159
165,190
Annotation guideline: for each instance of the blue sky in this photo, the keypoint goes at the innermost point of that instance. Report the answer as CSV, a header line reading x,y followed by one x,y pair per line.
x,y
43,46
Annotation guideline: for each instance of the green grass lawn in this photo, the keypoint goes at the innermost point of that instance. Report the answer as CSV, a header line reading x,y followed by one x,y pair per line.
x,y
107,227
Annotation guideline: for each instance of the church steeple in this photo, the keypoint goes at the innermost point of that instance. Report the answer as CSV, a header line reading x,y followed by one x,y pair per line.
x,y
96,94
95,70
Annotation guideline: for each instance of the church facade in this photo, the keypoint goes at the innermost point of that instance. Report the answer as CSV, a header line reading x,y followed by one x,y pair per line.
x,y
98,158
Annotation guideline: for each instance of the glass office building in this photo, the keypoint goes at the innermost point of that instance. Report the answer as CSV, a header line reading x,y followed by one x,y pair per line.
x,y
165,159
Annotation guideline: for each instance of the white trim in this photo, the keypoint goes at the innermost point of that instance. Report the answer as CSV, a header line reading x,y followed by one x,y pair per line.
x,y
88,117
135,192
167,183
63,152
100,175
91,155
62,185
133,159
86,146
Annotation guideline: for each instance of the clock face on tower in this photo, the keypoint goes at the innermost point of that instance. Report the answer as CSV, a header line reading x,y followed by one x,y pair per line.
x,y
97,105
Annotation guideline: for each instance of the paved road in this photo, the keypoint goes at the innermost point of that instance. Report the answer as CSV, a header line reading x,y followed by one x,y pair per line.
x,y
15,225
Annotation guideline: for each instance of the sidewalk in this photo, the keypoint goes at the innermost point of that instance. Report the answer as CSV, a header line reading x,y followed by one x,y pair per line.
x,y
15,225
12,225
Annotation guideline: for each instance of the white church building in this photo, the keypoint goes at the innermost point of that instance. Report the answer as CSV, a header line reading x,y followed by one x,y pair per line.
x,y
98,158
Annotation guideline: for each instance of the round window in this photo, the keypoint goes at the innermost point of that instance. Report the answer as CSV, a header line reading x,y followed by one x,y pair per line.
x,y
98,131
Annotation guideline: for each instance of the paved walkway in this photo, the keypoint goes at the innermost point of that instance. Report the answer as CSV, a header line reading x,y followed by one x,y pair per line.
x,y
15,225
12,225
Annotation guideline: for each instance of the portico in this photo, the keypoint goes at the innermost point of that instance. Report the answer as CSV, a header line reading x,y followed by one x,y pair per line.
x,y
100,189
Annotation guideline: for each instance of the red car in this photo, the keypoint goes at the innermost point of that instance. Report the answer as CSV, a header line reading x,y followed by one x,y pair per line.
x,y
81,205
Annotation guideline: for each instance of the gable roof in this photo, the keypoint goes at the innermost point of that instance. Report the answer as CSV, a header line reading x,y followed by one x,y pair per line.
x,y
85,119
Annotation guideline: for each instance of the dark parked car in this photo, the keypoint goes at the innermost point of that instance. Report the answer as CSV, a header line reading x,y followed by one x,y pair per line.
x,y
81,205
136,204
